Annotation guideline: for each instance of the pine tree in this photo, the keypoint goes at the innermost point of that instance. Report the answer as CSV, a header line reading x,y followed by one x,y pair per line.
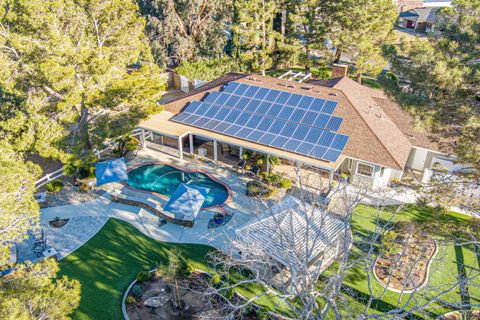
x,y
62,56
254,27
362,28
444,76
186,30
310,25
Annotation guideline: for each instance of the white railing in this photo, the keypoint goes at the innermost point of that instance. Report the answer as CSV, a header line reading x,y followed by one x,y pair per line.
x,y
49,177
110,146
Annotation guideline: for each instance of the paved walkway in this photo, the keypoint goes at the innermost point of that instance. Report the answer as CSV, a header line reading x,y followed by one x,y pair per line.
x,y
87,218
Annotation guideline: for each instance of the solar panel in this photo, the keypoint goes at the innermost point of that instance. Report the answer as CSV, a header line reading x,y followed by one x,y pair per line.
x,y
297,123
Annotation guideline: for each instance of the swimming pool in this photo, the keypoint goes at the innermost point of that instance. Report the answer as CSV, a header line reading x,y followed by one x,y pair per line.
x,y
164,179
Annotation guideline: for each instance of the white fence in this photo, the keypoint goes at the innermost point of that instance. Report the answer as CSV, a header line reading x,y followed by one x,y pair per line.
x,y
110,146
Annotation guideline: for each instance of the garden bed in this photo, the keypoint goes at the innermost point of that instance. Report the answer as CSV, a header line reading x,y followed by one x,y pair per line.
x,y
58,223
407,253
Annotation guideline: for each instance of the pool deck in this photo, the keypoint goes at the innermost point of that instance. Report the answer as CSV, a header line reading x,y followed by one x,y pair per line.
x,y
88,218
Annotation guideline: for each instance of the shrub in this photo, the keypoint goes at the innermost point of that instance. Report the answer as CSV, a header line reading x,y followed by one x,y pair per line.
x,y
143,276
130,300
215,279
208,70
54,186
186,269
126,144
260,161
248,167
392,76
389,246
137,290
258,189
228,294
285,183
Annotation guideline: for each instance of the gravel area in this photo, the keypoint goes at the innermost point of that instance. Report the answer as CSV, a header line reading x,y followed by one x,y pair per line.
x,y
70,194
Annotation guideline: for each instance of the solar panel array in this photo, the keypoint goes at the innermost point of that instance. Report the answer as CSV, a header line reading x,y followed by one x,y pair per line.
x,y
293,122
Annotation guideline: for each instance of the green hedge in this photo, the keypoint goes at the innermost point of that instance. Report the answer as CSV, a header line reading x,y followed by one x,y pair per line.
x,y
208,70
54,186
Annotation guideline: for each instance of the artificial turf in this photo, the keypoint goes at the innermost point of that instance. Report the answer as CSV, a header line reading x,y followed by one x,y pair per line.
x,y
449,263
109,262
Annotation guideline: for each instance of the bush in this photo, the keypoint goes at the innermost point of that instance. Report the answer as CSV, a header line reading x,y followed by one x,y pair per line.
x,y
215,279
392,76
257,189
285,183
389,246
54,186
273,179
208,70
137,290
143,276
126,144
130,300
186,269
228,294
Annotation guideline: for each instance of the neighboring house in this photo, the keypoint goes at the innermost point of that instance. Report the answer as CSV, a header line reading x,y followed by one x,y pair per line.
x,y
333,126
422,20
407,5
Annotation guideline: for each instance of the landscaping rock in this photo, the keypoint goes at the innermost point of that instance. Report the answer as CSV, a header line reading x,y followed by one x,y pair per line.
x,y
155,302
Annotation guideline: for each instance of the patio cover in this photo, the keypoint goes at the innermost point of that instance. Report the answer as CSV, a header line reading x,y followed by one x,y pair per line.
x,y
186,201
111,171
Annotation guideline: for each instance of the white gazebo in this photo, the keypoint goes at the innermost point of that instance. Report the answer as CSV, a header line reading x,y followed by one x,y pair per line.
x,y
298,236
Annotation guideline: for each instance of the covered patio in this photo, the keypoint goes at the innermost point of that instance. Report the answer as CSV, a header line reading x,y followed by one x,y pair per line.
x,y
180,140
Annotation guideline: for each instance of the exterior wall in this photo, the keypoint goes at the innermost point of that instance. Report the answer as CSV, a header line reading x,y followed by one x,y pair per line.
x,y
377,181
420,159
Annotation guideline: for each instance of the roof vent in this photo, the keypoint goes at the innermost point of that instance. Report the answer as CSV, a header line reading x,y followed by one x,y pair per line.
x,y
252,79
333,94
291,86
379,115
307,88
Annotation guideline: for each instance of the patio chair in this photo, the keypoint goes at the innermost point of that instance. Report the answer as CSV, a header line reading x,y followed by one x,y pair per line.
x,y
254,170
240,165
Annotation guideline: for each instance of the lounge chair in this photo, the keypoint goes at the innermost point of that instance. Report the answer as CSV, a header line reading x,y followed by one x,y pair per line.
x,y
254,170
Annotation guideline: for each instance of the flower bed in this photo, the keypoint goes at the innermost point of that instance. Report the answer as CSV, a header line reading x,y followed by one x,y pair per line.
x,y
405,258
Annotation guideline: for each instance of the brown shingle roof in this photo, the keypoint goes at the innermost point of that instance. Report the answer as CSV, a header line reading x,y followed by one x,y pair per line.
x,y
377,120
373,135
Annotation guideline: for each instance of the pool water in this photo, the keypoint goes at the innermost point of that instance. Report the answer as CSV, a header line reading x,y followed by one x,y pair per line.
x,y
164,179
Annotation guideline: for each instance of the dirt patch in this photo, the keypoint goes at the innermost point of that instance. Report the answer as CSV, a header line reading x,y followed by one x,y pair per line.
x,y
403,264
180,299
58,223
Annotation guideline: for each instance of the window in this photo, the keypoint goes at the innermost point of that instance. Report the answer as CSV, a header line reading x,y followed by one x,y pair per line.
x,y
382,171
364,169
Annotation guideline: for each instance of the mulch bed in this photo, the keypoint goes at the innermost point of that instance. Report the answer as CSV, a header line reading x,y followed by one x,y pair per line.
x,y
58,223
407,267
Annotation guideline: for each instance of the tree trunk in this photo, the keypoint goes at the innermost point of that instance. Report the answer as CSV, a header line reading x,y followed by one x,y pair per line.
x,y
84,124
338,55
359,77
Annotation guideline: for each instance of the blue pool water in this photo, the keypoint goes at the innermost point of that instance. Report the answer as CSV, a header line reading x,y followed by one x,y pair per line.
x,y
164,179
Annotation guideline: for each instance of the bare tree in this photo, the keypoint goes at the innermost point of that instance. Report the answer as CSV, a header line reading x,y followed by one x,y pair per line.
x,y
298,253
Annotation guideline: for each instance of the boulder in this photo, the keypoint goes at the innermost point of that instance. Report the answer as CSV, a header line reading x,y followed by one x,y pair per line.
x,y
155,302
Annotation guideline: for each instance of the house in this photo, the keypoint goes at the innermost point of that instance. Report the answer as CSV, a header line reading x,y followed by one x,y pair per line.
x,y
419,20
407,5
334,126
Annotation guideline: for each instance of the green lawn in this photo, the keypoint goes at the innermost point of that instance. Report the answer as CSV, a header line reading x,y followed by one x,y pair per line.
x,y
445,267
109,262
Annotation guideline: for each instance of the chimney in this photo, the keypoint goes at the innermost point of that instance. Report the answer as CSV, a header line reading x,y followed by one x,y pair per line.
x,y
339,71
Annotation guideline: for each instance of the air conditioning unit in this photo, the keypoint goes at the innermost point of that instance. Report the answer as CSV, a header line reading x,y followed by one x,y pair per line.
x,y
202,152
